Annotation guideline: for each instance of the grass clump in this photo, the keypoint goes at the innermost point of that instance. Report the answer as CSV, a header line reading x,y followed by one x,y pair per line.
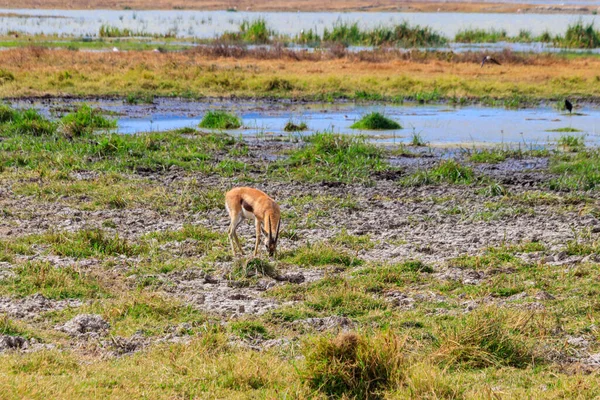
x,y
293,127
487,338
220,120
244,268
354,366
449,171
375,121
85,120
331,157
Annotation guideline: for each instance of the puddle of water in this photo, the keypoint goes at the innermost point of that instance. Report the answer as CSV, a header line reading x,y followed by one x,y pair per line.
x,y
437,124
208,24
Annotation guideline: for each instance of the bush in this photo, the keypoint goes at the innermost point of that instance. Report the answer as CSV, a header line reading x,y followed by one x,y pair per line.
x,y
375,121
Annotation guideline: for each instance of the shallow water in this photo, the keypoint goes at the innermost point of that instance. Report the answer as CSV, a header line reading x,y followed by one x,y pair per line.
x,y
436,124
208,24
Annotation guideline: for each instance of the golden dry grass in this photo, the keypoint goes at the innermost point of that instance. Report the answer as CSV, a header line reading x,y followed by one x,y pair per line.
x,y
40,72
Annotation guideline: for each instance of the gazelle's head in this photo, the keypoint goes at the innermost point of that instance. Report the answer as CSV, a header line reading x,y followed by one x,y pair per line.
x,y
271,237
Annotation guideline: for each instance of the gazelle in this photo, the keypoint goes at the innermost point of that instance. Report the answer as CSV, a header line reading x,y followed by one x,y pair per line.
x,y
245,202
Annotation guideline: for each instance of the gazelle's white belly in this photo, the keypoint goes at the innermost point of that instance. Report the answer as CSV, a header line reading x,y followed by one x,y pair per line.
x,y
247,214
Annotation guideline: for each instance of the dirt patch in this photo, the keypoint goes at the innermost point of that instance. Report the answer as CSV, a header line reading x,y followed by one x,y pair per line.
x,y
33,306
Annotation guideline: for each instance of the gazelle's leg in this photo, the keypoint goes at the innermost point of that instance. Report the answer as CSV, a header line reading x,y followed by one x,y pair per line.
x,y
235,236
233,239
257,223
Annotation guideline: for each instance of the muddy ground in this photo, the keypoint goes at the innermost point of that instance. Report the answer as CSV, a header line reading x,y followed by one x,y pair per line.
x,y
434,224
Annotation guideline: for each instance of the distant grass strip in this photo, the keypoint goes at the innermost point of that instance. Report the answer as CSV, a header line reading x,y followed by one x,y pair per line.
x,y
565,129
220,120
375,121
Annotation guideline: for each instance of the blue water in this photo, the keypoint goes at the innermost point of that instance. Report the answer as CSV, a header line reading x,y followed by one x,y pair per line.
x,y
208,24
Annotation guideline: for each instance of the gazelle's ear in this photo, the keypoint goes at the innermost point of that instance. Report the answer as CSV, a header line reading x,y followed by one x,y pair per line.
x,y
277,234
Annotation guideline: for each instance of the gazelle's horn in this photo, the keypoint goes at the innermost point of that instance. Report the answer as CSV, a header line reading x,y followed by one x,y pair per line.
x,y
277,234
270,232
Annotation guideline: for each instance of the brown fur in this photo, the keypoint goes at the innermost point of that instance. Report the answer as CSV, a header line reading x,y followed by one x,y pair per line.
x,y
253,202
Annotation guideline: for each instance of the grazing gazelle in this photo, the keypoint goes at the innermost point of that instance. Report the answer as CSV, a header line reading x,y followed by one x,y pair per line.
x,y
245,202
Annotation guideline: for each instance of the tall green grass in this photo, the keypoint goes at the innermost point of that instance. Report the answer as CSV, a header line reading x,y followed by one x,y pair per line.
x,y
85,120
581,36
256,32
403,34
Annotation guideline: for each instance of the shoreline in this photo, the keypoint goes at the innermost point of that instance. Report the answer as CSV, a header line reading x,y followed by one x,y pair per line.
x,y
308,6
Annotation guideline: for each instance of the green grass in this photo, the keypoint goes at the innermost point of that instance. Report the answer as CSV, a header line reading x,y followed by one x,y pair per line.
x,y
494,257
52,282
91,243
331,157
576,171
220,120
571,142
449,171
375,121
112,152
487,338
249,329
320,254
26,122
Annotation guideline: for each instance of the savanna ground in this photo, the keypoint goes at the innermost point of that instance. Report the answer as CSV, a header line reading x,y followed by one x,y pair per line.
x,y
298,5
402,272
